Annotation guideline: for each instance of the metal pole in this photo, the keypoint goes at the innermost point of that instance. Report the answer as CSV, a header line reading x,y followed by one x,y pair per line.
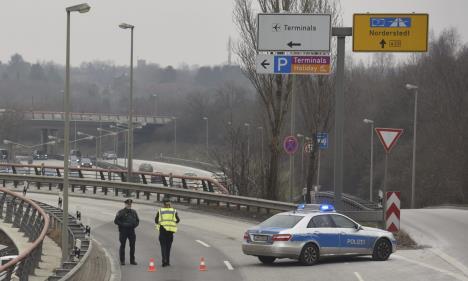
x,y
302,162
175,136
318,168
291,156
371,180
116,148
206,136
66,147
341,33
74,143
100,140
385,174
130,113
125,151
413,172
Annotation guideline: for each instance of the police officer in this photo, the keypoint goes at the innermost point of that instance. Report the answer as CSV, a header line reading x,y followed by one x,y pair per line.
x,y
127,220
166,222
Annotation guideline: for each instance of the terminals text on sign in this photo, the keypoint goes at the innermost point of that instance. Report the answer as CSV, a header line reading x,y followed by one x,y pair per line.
x,y
294,32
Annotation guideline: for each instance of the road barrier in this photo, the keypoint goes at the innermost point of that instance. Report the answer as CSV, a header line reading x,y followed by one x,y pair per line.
x,y
34,223
188,195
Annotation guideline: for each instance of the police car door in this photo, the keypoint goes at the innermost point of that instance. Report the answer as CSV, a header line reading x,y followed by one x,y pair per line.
x,y
352,240
322,230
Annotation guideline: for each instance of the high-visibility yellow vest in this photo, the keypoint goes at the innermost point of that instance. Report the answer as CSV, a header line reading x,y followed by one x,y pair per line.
x,y
167,218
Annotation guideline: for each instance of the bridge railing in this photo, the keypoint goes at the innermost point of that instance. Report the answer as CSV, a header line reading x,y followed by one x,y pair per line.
x,y
95,117
34,223
111,174
188,195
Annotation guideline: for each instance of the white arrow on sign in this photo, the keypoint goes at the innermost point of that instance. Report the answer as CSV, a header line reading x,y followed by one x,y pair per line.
x,y
388,137
264,63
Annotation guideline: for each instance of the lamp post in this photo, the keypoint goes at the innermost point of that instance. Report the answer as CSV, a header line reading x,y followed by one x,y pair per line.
x,y
415,120
371,172
301,136
206,119
82,8
130,111
155,97
262,157
247,125
175,135
91,137
116,141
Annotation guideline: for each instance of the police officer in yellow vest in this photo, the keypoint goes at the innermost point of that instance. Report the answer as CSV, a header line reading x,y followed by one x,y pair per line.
x,y
166,222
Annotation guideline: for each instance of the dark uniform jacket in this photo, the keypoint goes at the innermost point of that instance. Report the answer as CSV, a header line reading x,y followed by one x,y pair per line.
x,y
127,219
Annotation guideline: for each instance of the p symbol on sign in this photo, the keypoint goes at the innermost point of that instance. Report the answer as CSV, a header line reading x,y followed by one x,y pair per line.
x,y
282,64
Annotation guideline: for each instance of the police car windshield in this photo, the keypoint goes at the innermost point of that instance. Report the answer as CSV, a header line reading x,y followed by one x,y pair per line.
x,y
281,221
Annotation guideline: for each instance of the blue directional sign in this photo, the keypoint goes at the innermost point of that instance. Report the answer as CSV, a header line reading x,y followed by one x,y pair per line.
x,y
322,140
293,64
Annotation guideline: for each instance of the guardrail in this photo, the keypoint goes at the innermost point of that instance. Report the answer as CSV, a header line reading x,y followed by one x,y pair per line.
x,y
112,174
76,230
188,195
34,222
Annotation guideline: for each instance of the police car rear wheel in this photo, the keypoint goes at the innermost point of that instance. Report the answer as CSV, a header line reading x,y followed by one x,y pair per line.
x,y
267,260
309,255
382,250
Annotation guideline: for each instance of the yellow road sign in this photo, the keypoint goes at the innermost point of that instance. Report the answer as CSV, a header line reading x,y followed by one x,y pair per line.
x,y
390,32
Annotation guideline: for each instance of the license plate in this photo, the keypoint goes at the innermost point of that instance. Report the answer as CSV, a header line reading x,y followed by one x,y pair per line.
x,y
260,238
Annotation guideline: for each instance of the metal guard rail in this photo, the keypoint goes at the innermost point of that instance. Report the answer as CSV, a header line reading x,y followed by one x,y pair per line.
x,y
34,222
110,174
363,216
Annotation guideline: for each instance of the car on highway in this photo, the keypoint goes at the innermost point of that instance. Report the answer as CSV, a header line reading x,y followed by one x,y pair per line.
x,y
313,231
109,155
39,155
85,163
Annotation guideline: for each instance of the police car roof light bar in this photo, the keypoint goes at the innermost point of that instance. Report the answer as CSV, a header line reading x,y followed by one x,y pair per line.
x,y
327,208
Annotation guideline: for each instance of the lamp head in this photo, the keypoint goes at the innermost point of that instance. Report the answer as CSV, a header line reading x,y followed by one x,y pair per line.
x,y
368,121
411,87
126,26
82,8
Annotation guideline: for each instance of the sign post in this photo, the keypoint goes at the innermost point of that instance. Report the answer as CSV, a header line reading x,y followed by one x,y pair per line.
x,y
390,32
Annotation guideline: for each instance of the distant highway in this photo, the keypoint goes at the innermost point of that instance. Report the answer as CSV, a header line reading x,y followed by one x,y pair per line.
x,y
218,239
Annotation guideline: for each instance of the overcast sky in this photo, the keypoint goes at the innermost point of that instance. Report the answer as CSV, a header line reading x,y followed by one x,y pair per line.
x,y
167,32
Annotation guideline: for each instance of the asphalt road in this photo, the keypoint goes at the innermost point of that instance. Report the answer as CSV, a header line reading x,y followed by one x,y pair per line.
x,y
219,239
444,230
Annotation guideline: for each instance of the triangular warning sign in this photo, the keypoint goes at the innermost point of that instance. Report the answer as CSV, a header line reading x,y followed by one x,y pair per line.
x,y
388,137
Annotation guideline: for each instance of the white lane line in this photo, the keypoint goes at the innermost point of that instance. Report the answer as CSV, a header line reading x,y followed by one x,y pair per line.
x,y
203,243
358,276
454,275
228,265
455,263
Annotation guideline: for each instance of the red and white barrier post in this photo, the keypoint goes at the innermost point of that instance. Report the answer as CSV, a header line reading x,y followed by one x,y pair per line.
x,y
392,211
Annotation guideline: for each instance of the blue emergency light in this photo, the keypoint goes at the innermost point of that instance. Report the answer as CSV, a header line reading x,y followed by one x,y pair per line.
x,y
327,208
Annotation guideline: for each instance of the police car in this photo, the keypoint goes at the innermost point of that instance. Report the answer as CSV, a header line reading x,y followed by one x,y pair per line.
x,y
312,231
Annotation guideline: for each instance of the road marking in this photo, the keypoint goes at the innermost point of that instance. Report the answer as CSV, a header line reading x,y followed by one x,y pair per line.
x,y
358,276
203,243
228,265
454,275
451,260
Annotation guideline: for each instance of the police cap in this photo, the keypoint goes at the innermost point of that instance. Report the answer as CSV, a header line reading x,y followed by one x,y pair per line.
x,y
128,201
166,200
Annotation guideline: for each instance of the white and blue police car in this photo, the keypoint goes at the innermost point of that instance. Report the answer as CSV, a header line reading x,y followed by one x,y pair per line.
x,y
312,231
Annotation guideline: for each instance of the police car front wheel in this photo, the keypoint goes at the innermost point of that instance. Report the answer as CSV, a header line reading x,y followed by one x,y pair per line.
x,y
309,254
267,260
382,250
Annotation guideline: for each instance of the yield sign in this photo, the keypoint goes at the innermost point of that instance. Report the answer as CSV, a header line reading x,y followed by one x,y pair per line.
x,y
388,137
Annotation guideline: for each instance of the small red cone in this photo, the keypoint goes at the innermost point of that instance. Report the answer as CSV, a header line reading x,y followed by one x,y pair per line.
x,y
151,267
202,265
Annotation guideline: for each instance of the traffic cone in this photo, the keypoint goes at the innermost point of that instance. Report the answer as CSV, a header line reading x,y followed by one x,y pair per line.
x,y
202,265
151,267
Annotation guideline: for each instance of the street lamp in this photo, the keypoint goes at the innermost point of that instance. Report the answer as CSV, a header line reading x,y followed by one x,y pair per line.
x,y
175,135
247,125
90,137
155,97
262,153
130,111
301,136
81,8
413,172
371,172
116,141
206,119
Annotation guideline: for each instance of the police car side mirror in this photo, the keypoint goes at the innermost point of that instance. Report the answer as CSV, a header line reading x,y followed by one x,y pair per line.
x,y
358,227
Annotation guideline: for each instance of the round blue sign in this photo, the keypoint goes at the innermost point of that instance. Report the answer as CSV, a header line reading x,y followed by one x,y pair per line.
x,y
290,144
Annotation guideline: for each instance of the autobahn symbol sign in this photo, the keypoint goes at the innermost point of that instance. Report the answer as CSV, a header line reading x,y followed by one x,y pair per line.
x,y
388,137
290,144
390,32
392,211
